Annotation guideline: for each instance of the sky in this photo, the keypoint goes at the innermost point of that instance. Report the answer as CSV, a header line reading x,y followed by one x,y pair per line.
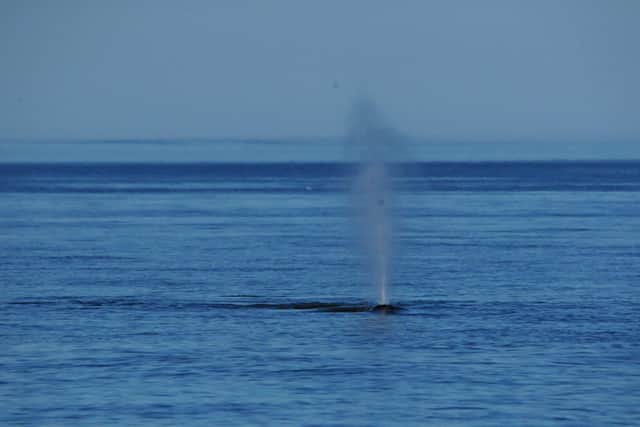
x,y
451,70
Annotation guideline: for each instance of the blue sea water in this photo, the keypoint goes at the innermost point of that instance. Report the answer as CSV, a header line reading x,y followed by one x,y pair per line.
x,y
233,294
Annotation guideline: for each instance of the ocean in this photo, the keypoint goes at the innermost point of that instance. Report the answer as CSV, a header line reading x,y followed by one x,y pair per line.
x,y
201,294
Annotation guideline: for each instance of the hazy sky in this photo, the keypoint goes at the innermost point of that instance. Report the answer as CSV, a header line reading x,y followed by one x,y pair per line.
x,y
441,70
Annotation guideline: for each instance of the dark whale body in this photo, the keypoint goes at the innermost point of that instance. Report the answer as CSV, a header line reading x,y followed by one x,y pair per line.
x,y
385,308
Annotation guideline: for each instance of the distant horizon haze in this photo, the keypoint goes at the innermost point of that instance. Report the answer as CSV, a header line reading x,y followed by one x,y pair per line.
x,y
295,150
440,70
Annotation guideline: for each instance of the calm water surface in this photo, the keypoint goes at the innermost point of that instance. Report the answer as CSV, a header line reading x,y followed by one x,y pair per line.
x,y
233,294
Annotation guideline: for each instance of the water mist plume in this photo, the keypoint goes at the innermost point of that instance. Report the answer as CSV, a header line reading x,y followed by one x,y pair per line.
x,y
373,141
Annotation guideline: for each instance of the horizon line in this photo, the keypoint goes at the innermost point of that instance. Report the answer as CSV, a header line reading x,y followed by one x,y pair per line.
x,y
306,139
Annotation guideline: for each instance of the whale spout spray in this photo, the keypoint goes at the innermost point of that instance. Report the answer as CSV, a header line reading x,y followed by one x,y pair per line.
x,y
373,142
